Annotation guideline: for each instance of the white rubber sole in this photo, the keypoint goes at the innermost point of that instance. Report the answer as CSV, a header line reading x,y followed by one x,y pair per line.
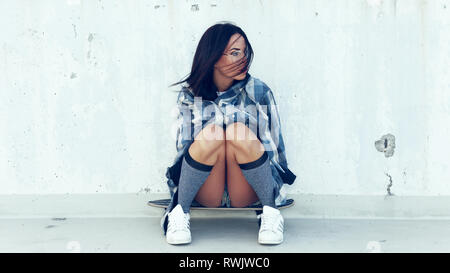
x,y
270,242
178,242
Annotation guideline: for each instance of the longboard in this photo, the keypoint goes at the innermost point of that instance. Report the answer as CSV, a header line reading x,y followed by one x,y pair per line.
x,y
164,203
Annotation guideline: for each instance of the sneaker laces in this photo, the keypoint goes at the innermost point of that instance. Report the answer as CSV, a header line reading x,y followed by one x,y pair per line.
x,y
179,223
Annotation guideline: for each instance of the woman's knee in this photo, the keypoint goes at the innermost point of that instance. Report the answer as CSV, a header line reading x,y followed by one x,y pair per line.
x,y
239,136
209,145
210,138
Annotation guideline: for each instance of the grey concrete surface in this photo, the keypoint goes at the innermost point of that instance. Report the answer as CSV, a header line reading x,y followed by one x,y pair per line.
x,y
229,234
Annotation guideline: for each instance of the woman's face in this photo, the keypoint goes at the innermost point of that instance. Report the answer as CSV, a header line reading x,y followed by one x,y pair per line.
x,y
233,60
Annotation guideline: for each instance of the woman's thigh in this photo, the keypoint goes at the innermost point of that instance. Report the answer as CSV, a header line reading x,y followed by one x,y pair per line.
x,y
240,191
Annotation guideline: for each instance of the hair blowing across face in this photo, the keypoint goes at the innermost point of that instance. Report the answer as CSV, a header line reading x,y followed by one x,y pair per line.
x,y
209,50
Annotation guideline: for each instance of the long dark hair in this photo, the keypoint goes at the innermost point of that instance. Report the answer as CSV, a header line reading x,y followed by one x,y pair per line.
x,y
209,50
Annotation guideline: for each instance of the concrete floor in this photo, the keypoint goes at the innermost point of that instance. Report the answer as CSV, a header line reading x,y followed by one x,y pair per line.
x,y
228,234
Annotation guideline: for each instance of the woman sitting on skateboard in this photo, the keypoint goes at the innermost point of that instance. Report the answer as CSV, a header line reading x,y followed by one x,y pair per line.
x,y
230,150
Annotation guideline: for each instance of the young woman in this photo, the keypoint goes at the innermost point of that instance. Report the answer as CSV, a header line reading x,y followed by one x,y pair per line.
x,y
230,150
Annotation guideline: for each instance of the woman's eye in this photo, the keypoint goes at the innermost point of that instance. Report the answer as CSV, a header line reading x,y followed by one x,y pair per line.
x,y
235,53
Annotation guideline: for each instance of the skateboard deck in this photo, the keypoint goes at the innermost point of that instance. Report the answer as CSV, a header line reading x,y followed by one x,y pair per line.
x,y
163,203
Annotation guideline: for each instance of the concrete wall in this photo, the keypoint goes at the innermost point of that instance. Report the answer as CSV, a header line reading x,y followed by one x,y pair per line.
x,y
86,108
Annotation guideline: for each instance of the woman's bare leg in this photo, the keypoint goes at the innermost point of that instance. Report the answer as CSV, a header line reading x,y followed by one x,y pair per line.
x,y
242,146
209,148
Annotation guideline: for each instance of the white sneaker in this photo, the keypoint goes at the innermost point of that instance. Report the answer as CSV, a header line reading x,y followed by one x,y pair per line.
x,y
178,228
272,225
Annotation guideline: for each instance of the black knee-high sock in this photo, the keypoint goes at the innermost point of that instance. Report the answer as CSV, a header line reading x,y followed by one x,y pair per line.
x,y
193,175
259,175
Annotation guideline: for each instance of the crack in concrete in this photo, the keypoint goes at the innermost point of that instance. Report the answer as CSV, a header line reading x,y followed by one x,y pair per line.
x,y
390,185
75,30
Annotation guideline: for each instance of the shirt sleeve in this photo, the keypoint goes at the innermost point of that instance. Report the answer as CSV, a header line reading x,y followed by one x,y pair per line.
x,y
184,121
274,124
194,114
279,152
